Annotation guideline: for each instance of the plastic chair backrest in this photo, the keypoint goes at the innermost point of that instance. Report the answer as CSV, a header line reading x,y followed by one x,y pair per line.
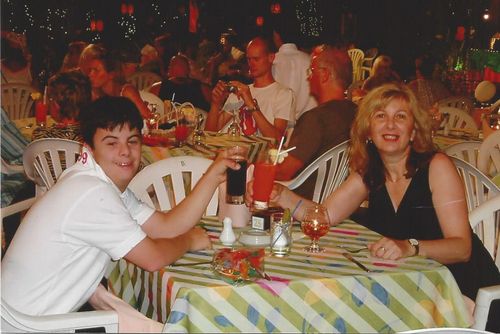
x,y
17,101
165,183
357,56
488,160
45,159
332,167
143,80
151,98
14,321
484,220
478,187
461,102
467,151
367,63
459,119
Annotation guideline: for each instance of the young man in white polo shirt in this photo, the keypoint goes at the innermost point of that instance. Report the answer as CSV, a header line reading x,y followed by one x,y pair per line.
x,y
67,239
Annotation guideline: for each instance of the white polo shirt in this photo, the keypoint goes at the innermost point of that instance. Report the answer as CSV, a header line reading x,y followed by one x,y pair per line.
x,y
67,239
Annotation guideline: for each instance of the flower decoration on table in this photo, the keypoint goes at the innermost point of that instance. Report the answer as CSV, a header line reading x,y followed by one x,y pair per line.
x,y
237,266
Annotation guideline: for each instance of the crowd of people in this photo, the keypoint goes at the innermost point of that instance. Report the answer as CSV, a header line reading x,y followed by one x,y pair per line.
x,y
416,198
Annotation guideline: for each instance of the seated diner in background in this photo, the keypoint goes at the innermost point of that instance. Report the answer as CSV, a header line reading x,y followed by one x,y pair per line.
x,y
416,197
265,107
69,236
381,73
181,87
69,92
106,78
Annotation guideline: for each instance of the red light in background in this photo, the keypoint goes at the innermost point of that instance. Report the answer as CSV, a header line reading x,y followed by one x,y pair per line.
x,y
99,25
92,25
124,8
130,9
259,21
276,8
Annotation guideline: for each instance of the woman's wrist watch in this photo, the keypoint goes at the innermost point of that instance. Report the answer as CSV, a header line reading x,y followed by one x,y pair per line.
x,y
415,244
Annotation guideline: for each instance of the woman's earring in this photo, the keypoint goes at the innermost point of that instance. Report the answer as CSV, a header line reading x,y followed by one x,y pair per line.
x,y
369,141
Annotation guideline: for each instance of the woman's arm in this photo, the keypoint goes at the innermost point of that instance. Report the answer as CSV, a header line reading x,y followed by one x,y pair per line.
x,y
448,198
340,204
132,93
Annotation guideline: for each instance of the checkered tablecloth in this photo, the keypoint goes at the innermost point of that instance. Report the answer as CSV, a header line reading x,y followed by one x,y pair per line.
x,y
308,292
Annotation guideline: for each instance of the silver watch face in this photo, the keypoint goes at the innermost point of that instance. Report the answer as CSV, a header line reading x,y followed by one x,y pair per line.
x,y
414,242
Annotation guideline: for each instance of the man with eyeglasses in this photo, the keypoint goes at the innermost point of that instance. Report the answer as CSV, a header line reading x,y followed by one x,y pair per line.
x,y
327,125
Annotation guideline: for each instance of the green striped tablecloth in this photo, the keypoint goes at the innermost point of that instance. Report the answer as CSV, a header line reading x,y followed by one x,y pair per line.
x,y
213,143
308,293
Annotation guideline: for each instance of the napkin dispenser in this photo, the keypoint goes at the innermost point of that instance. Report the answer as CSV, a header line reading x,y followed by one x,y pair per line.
x,y
261,220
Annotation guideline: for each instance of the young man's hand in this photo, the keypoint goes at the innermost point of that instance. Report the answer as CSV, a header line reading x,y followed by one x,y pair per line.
x,y
221,164
198,239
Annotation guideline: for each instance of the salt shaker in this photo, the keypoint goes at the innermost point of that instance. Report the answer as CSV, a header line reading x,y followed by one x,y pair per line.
x,y
227,236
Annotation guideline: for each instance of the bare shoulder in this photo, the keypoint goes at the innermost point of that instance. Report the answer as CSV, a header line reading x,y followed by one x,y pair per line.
x,y
439,162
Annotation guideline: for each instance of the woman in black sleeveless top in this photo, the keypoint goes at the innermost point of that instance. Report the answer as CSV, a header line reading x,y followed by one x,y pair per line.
x,y
416,197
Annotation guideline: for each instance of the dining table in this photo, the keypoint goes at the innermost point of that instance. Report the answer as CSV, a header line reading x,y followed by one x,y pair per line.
x,y
301,292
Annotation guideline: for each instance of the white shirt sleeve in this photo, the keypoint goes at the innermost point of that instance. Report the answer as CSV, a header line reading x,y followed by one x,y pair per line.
x,y
101,219
284,107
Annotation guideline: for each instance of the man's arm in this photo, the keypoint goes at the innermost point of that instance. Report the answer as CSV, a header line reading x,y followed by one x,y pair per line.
x,y
188,212
288,169
216,119
154,254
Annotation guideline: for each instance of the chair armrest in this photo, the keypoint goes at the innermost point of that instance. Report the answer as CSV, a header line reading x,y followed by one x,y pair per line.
x,y
66,323
483,301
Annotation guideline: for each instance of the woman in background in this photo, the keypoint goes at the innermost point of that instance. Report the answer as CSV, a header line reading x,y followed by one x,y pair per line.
x,y
69,93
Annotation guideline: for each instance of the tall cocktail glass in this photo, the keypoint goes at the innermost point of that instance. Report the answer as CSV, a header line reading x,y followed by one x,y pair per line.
x,y
237,179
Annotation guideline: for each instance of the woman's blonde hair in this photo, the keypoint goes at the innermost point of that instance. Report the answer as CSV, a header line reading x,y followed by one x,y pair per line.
x,y
364,156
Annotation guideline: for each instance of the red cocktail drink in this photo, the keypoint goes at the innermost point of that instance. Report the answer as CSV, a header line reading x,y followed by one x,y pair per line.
x,y
264,174
181,133
41,110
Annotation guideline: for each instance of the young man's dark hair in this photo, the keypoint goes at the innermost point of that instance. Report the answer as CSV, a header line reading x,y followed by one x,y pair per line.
x,y
107,113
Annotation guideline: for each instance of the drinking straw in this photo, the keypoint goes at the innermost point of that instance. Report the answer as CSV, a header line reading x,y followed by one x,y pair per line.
x,y
279,150
45,95
287,150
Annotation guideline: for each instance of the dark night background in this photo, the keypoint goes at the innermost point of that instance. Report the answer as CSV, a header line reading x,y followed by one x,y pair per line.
x,y
399,28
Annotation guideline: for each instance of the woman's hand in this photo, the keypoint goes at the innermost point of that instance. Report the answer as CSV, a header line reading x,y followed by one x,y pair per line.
x,y
276,197
391,249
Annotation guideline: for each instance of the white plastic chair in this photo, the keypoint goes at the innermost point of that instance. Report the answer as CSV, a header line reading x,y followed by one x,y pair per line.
x,y
478,187
367,63
332,167
464,103
467,151
165,183
357,56
17,101
151,98
143,80
14,321
460,120
484,221
45,159
488,160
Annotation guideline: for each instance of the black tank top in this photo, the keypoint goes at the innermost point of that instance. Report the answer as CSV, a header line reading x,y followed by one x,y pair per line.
x,y
416,218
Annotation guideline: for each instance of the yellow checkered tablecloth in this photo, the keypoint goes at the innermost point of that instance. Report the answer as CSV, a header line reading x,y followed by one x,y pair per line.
x,y
308,292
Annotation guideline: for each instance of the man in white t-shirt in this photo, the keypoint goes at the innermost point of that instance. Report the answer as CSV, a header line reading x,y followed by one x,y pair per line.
x,y
69,236
267,105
